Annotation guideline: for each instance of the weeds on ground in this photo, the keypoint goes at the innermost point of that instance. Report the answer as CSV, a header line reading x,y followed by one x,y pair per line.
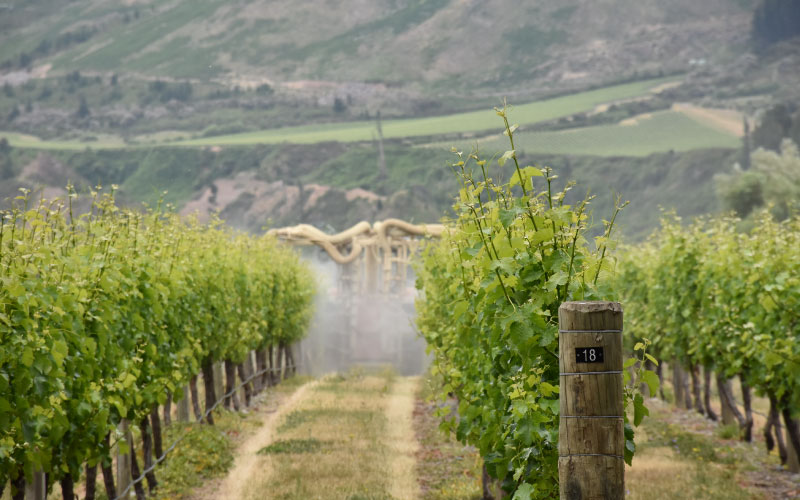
x,y
689,444
205,452
448,470
292,446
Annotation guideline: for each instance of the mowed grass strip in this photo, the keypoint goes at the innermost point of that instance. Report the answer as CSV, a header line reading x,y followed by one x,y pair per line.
x,y
658,132
474,121
18,140
332,445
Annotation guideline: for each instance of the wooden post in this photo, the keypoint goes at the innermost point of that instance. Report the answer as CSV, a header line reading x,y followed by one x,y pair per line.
x,y
183,406
591,436
219,387
37,489
124,459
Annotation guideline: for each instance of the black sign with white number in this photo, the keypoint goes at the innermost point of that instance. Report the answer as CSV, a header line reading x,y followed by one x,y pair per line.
x,y
588,354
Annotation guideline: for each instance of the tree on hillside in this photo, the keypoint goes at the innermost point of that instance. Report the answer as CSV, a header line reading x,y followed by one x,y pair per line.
x,y
6,166
779,122
776,20
83,108
774,180
13,114
781,173
339,106
746,145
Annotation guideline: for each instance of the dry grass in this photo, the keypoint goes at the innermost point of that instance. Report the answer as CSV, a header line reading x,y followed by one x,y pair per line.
x,y
247,463
658,473
447,470
402,444
363,443
680,456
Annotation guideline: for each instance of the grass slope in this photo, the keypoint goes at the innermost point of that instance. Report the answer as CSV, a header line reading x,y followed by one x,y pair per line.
x,y
660,132
25,141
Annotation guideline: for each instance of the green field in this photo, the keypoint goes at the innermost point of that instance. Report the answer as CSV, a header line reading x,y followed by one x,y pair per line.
x,y
475,121
470,122
26,141
663,131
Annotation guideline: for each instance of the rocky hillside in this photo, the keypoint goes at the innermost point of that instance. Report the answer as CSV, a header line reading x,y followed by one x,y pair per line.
x,y
444,45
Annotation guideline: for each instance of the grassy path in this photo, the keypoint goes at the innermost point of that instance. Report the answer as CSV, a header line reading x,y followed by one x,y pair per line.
x,y
402,443
376,437
349,437
247,462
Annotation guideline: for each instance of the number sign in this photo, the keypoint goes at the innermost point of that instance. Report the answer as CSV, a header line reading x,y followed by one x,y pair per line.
x,y
588,354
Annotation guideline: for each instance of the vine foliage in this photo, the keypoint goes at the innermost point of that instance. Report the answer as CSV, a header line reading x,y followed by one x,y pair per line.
x,y
488,309
102,314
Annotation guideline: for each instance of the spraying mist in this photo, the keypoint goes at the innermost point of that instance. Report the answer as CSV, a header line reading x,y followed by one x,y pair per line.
x,y
355,328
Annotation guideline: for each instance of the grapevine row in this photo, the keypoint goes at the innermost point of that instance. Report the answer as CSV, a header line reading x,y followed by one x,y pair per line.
x,y
714,297
103,315
488,309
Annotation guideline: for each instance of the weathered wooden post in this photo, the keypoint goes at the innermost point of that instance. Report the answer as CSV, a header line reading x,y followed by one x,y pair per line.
x,y
124,475
183,406
37,489
219,382
591,436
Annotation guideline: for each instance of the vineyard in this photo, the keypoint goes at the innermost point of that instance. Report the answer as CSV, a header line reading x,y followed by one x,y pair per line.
x,y
108,315
308,251
715,298
491,291
709,296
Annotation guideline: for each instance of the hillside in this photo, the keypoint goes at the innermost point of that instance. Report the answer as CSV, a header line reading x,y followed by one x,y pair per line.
x,y
268,112
446,45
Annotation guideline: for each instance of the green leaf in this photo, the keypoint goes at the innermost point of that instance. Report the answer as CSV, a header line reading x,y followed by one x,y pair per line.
x,y
59,351
639,410
27,357
541,235
547,389
524,492
651,379
507,217
630,445
531,171
506,156
629,362
459,308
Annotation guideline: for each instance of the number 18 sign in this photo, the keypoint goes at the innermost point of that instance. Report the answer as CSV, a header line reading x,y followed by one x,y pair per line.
x,y
588,354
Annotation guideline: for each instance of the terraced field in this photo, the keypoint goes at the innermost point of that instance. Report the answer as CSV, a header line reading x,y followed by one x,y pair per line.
x,y
648,134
